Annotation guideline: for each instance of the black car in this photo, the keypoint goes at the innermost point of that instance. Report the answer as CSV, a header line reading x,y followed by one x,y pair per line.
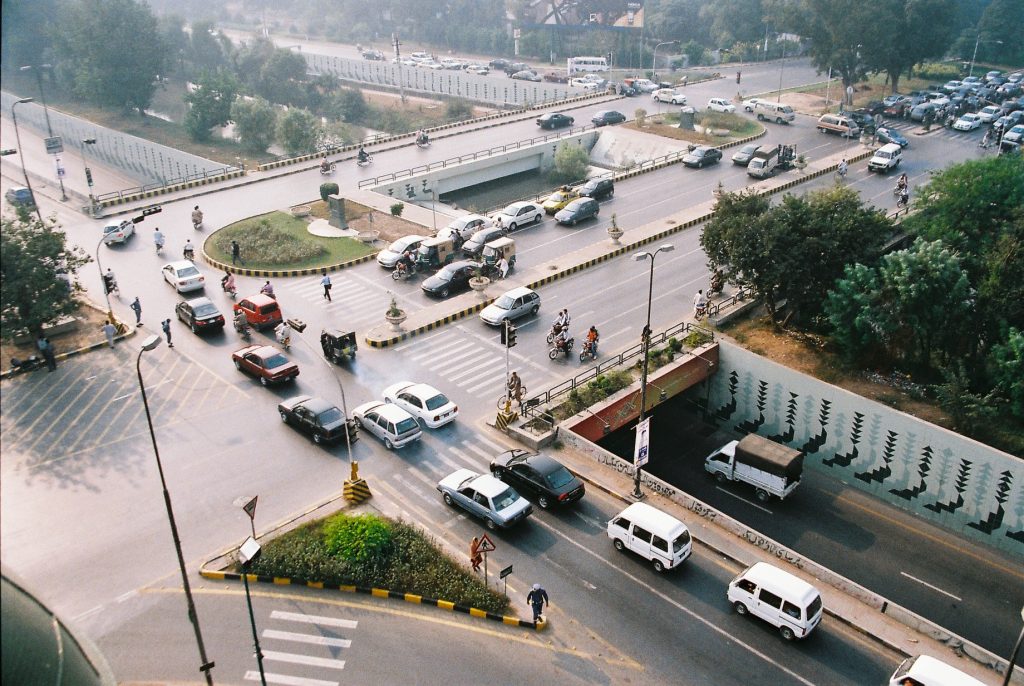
x,y
200,314
605,117
864,119
376,55
701,156
554,120
315,416
513,67
597,189
498,64
451,279
538,477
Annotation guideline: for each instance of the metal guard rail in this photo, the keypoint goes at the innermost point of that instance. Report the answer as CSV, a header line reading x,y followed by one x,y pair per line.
x,y
162,184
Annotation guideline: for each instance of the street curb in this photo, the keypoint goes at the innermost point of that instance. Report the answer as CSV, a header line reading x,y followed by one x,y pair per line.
x,y
164,190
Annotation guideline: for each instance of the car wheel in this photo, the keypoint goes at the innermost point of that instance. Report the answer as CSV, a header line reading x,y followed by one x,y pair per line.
x,y
238,365
318,439
658,566
720,477
535,309
740,608
444,293
778,120
448,500
284,416
491,524
760,117
787,633
618,545
762,495
513,226
543,502
264,381
388,444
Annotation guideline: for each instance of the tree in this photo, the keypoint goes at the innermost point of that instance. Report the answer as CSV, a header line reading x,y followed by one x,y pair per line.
x,y
841,33
281,78
255,120
1007,360
121,68
37,270
25,32
736,21
571,161
208,49
250,58
172,32
210,104
931,24
1001,28
348,104
298,131
678,20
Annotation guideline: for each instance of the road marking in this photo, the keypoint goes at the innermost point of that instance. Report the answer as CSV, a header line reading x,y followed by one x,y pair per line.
x,y
148,388
286,680
307,638
478,450
292,658
934,588
127,596
70,424
313,619
748,502
88,612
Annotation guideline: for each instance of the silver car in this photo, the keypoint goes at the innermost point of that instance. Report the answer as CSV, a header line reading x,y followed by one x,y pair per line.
x,y
389,258
389,423
482,495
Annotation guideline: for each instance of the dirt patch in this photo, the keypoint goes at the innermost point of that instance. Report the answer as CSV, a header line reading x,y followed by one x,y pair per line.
x,y
808,103
363,218
433,110
88,333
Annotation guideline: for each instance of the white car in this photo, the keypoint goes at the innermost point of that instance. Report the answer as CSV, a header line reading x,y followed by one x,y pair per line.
x,y
989,114
183,275
584,84
519,214
721,105
1014,135
938,99
645,85
465,226
478,69
748,105
967,122
118,232
422,401
669,95
389,258
388,422
450,63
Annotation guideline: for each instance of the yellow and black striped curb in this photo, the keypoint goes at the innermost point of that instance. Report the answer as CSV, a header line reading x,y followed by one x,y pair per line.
x,y
621,250
380,593
172,188
282,273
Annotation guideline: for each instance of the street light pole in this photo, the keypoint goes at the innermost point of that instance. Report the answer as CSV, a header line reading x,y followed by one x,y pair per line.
x,y
46,112
103,281
975,55
21,155
645,341
86,142
248,553
654,58
205,665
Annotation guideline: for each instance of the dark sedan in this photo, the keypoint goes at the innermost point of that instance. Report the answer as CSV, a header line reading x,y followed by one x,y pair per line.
x,y
320,419
887,135
597,188
605,117
554,120
452,278
538,477
200,314
266,363
743,155
701,156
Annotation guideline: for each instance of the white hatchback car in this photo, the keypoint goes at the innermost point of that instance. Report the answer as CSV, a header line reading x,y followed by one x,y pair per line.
x,y
967,122
750,103
519,214
988,114
422,401
669,95
118,232
183,275
465,226
388,422
388,258
720,105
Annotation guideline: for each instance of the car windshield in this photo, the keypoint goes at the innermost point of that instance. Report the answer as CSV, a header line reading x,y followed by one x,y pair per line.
x,y
505,499
439,400
406,425
275,361
559,478
504,302
557,196
205,309
331,416
458,224
187,271
681,542
110,228
447,273
749,149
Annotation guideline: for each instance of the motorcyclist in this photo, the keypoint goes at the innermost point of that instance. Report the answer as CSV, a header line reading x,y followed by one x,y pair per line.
x,y
241,323
362,155
902,182
284,334
592,338
405,263
904,200
227,282
325,165
158,239
422,138
561,325
717,282
843,167
560,341
197,217
189,251
268,290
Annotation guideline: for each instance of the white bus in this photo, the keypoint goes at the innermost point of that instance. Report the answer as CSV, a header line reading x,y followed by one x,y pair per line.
x,y
587,64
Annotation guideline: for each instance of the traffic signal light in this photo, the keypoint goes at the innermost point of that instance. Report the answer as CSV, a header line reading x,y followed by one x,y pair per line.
x,y
504,332
352,427
152,210
508,334
88,176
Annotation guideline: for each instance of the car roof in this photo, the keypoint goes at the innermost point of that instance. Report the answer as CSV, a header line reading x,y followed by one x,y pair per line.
x,y
179,264
264,350
201,300
519,292
318,405
260,299
516,206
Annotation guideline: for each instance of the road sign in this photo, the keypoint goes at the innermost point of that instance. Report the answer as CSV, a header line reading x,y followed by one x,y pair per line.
x,y
60,167
54,145
505,572
486,545
250,507
642,447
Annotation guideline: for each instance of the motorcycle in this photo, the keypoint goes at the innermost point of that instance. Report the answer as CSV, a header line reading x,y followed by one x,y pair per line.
x,y
555,329
363,161
232,291
897,190
159,247
188,254
589,351
110,284
283,338
564,349
422,142
403,271
242,327
717,284
327,170
29,364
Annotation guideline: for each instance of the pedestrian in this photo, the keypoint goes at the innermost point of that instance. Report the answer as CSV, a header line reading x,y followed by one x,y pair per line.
x,y
700,304
500,225
46,348
326,283
137,309
166,326
537,597
109,330
503,267
474,554
236,253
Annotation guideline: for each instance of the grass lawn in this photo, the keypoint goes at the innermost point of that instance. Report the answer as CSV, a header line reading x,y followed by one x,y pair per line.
x,y
667,125
278,240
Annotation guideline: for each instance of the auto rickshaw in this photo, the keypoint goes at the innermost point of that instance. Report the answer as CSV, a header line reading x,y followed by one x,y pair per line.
x,y
338,345
435,253
494,251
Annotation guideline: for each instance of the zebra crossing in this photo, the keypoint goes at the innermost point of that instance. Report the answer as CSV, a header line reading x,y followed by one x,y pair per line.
x,y
295,645
952,134
356,303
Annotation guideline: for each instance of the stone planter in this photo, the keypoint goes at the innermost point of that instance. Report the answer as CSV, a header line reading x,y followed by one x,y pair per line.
x,y
480,284
368,237
396,319
615,233
300,211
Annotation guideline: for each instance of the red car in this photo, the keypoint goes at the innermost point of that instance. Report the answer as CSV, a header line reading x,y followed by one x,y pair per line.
x,y
266,363
261,311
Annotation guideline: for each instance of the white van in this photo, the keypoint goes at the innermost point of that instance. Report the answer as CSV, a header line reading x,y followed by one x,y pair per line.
x,y
922,670
886,158
786,602
650,533
774,111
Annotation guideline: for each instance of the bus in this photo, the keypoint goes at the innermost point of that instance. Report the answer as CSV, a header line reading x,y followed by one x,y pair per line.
x,y
587,64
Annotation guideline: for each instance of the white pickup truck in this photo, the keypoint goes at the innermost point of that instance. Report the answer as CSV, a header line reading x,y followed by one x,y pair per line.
x,y
771,468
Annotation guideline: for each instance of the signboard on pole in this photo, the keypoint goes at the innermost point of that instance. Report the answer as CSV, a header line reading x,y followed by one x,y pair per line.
x,y
486,545
505,572
641,450
54,145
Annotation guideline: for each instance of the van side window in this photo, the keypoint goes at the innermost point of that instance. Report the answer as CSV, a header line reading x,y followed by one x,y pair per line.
x,y
747,585
791,610
769,598
659,543
642,534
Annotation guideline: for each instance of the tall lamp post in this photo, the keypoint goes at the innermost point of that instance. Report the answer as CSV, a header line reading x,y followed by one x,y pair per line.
x,y
975,55
247,553
21,155
86,142
645,341
38,69
205,665
654,58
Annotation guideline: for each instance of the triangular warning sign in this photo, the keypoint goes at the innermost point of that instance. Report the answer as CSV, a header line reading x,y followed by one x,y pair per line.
x,y
486,545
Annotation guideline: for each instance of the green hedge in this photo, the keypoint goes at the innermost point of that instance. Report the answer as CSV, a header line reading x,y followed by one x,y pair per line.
x,y
938,71
399,558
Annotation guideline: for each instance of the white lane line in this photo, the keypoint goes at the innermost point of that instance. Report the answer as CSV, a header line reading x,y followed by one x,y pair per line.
x,y
148,388
748,502
411,487
451,463
326,662
495,382
313,619
307,638
492,444
934,588
287,680
127,596
88,612
479,366
478,450
463,456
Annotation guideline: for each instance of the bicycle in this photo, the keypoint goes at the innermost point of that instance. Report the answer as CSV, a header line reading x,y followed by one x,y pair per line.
x,y
504,401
